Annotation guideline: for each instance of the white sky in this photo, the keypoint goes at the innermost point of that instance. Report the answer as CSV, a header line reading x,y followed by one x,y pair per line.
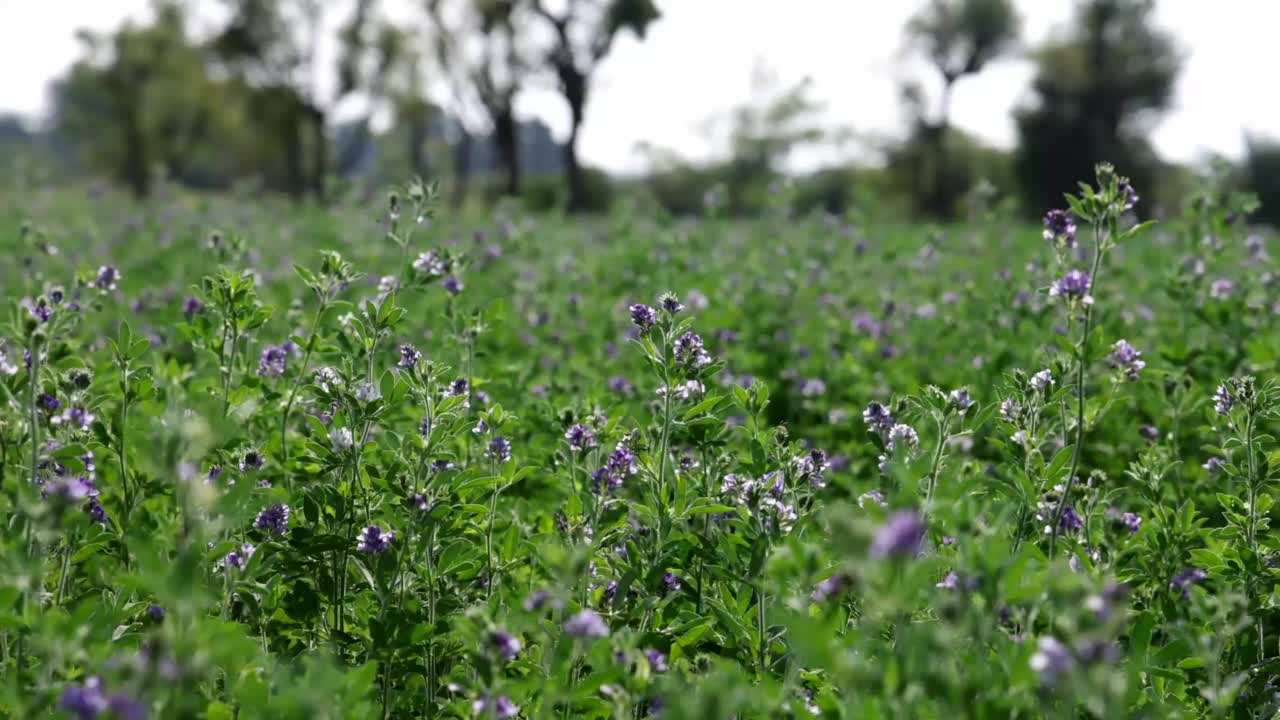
x,y
696,65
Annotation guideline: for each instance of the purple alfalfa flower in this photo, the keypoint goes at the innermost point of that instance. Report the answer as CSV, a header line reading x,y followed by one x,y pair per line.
x,y
192,306
1103,604
690,352
1060,227
96,512
419,501
832,586
671,582
643,316
902,535
459,388
39,309
586,623
959,400
621,462
272,361
499,449
657,661
580,437
505,644
610,591
872,497
106,278
85,701
1070,520
1128,195
1223,399
69,489
409,357
670,303
452,285
902,436
949,582
1186,578
238,558
1213,464
620,385
214,472
810,467
74,416
1150,433
373,540
500,706
1126,358
431,264
539,599
1073,286
812,387
48,403
1042,381
1132,521
155,612
251,460
1010,410
1052,659
1221,289
273,518
878,419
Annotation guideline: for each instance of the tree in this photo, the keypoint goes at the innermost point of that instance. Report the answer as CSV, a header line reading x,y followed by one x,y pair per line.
x,y
959,38
272,45
1261,171
140,99
485,57
584,32
1097,91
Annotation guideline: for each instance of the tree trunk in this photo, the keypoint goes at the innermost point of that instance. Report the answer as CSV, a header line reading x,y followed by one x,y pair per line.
x,y
319,152
417,132
135,158
574,85
572,168
506,138
295,175
941,198
461,166
134,162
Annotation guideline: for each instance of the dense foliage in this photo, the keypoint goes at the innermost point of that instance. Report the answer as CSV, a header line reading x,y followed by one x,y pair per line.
x,y
374,461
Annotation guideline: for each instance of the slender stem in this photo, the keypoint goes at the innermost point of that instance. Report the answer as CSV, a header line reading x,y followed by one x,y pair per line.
x,y
1252,531
32,382
68,546
122,450
760,629
431,620
293,391
943,428
1081,366
488,543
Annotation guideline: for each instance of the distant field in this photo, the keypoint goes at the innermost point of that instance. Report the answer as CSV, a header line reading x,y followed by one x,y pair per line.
x,y
461,474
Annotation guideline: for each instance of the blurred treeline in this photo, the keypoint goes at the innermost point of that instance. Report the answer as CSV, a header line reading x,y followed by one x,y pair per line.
x,y
244,103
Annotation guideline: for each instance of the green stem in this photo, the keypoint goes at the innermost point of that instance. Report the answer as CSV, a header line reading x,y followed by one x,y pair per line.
x,y
293,391
1081,367
761,630
488,544
1252,532
943,428
431,620
123,447
68,546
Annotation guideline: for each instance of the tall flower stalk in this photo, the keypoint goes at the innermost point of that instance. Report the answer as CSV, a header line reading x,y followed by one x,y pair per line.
x,y
1102,208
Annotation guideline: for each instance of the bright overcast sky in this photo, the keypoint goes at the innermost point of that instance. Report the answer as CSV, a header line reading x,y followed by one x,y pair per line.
x,y
696,65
